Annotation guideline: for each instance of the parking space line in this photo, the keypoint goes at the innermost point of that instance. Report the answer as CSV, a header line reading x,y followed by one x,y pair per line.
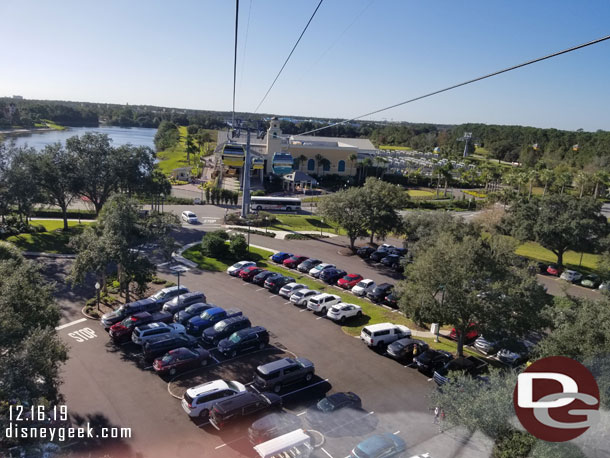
x,y
301,413
273,295
214,358
327,454
304,310
287,302
397,432
201,425
72,323
320,317
304,388
260,289
227,443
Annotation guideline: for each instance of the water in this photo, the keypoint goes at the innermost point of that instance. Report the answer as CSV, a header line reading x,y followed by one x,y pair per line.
x,y
137,136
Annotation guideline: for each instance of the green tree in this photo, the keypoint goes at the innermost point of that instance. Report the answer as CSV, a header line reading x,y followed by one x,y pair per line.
x,y
546,177
353,158
348,209
383,201
190,147
238,246
22,191
213,244
167,135
559,223
319,162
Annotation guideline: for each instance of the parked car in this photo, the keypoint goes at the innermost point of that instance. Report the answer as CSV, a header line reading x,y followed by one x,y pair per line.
x,y
199,400
236,268
260,278
553,269
291,288
391,260
293,261
224,329
382,334
121,331
431,360
471,333
160,345
380,253
274,284
273,425
344,311
189,217
380,292
485,345
126,310
331,276
256,337
248,273
306,266
386,445
515,353
246,404
323,415
181,302
365,251
280,257
142,334
301,296
391,300
210,317
192,310
406,349
571,276
591,281
286,371
398,251
541,267
181,359
349,281
317,270
470,365
604,286
322,302
363,287
167,294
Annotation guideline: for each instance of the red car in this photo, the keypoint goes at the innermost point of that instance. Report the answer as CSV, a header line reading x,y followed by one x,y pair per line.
x,y
553,269
349,281
121,331
293,261
249,272
180,359
471,333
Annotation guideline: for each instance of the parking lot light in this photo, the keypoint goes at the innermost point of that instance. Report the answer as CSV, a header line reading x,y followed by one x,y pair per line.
x,y
97,294
321,224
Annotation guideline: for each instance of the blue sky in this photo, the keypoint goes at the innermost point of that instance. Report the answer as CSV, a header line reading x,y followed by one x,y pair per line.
x,y
357,56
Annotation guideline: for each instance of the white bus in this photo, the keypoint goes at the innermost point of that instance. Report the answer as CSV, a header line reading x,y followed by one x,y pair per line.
x,y
274,203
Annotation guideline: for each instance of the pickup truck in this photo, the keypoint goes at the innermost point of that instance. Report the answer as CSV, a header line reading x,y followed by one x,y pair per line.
x,y
210,317
470,365
121,332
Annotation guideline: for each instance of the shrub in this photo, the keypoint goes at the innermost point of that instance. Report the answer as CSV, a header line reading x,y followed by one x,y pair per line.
x,y
305,236
213,245
238,246
169,284
255,231
258,192
220,233
157,281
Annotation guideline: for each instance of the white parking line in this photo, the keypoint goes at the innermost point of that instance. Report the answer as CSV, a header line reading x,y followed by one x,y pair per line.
x,y
327,454
200,425
304,388
63,326
397,432
287,302
212,356
302,413
260,289
227,443
273,295
320,317
304,310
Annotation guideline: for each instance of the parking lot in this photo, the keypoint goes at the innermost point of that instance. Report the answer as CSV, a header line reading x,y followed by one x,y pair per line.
x,y
112,385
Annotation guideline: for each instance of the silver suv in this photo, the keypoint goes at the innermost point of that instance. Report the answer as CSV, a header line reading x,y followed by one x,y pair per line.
x,y
143,334
286,371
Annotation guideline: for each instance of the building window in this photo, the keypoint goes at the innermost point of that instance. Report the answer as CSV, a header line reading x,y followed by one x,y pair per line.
x,y
341,166
311,165
326,166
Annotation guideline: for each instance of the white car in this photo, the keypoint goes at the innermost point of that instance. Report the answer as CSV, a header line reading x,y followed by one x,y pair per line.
x,y
198,401
382,334
571,276
238,266
302,296
143,334
291,288
317,270
365,286
189,217
344,311
322,302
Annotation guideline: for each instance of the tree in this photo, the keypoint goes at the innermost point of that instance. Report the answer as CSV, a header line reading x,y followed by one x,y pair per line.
x,y
353,158
559,223
190,147
581,180
546,177
383,201
213,244
601,177
460,280
203,138
22,191
167,135
348,209
325,165
238,246
319,161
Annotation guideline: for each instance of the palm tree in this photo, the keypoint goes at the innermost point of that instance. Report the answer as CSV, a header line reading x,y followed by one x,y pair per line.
x,y
445,171
582,178
366,163
564,179
352,159
546,176
600,177
302,159
531,175
325,164
319,159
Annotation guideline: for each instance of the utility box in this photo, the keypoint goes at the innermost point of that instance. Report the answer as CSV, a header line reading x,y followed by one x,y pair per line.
x,y
434,328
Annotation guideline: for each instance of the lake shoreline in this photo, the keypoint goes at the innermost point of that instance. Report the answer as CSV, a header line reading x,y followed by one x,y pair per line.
x,y
26,131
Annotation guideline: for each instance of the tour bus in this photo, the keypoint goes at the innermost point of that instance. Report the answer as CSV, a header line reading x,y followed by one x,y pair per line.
x,y
275,203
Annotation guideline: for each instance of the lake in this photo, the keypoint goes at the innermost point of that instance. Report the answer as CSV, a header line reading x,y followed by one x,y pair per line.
x,y
137,136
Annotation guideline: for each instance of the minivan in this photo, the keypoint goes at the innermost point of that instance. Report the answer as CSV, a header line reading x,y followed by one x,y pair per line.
x,y
181,302
242,405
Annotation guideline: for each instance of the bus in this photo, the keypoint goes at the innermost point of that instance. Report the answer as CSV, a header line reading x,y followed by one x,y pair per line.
x,y
274,203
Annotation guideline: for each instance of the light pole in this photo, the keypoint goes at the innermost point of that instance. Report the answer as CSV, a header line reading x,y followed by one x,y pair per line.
x,y
97,294
321,224
248,235
266,223
177,270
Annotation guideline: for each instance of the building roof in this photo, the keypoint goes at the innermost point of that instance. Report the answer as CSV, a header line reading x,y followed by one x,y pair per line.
x,y
224,136
299,177
307,140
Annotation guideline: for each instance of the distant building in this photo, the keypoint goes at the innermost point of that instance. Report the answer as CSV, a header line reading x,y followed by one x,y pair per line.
x,y
18,97
181,174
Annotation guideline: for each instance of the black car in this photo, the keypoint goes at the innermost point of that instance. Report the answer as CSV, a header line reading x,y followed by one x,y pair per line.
x,y
365,251
181,302
273,425
391,300
161,345
256,337
325,414
224,329
431,360
306,266
406,349
391,260
380,292
331,276
398,251
185,315
259,279
244,404
379,254
274,284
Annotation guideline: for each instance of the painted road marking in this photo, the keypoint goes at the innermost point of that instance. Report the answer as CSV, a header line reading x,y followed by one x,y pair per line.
x,y
260,289
327,454
397,432
83,334
304,310
58,328
302,413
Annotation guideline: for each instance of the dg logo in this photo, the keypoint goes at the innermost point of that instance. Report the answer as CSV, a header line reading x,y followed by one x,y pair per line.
x,y
556,399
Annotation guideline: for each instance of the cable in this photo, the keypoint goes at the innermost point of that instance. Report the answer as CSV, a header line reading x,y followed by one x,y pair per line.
x,y
235,61
243,58
489,75
288,58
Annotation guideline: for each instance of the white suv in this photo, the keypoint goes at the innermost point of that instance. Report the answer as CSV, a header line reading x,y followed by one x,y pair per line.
x,y
301,296
364,286
189,217
291,288
322,302
317,270
383,334
198,401
143,334
343,311
571,276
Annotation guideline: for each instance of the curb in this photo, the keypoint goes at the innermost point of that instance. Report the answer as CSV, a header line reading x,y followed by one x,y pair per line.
x,y
177,255
48,255
88,316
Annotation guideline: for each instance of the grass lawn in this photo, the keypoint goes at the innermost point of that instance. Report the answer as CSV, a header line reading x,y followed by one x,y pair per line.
x,y
304,223
421,193
50,124
54,240
175,157
396,148
481,151
571,259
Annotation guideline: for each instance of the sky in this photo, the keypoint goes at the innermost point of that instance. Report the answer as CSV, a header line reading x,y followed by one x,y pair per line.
x,y
356,56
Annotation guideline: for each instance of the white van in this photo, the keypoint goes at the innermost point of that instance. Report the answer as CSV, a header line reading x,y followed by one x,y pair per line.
x,y
293,444
382,334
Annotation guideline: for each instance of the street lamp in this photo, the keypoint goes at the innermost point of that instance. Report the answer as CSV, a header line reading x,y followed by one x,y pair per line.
x,y
177,270
97,294
248,235
266,223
